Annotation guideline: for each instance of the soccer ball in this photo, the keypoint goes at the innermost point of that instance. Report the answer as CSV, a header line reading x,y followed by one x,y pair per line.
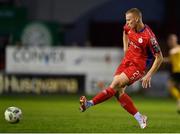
x,y
13,114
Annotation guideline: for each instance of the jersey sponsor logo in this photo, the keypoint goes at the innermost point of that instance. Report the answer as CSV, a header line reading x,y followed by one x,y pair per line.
x,y
133,44
140,40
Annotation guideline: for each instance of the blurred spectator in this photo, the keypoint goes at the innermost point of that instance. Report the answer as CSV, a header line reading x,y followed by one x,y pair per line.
x,y
174,60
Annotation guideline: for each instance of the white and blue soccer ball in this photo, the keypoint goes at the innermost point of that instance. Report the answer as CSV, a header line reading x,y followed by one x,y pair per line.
x,y
13,114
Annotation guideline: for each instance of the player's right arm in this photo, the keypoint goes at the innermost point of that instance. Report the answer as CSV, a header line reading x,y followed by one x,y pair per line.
x,y
125,38
125,42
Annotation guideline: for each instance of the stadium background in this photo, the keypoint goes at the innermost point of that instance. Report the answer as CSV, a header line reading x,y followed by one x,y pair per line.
x,y
53,51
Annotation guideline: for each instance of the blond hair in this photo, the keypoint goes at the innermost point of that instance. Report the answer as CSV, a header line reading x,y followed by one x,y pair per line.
x,y
135,11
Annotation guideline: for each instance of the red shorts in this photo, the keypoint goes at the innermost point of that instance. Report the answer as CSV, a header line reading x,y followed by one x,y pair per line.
x,y
131,70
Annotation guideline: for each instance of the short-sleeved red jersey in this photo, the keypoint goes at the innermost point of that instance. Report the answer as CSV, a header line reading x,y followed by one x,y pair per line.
x,y
142,47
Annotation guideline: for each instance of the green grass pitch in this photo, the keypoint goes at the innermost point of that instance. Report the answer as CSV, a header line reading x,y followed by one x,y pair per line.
x,y
57,113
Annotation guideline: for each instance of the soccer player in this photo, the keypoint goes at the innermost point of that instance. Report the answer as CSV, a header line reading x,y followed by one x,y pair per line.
x,y
140,45
174,59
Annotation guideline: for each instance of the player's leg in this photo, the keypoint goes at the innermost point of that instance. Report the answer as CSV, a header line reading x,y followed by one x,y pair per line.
x,y
105,94
173,89
111,90
99,98
127,103
132,73
174,92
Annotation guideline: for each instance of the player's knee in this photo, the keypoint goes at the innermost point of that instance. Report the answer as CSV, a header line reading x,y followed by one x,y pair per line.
x,y
117,83
120,92
113,84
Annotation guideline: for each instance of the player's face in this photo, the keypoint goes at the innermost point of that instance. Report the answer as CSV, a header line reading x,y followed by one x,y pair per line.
x,y
172,41
131,20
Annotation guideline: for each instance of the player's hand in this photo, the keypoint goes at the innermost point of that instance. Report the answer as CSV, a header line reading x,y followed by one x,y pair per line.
x,y
146,81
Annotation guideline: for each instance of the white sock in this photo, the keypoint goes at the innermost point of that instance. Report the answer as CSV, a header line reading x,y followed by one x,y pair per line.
x,y
89,104
137,116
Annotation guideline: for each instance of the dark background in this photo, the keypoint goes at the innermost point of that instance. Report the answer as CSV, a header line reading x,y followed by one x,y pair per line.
x,y
86,22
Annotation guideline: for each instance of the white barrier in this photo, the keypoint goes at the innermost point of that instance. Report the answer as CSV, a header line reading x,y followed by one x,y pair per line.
x,y
97,64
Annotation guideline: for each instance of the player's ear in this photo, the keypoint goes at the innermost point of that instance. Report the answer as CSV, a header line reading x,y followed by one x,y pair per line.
x,y
137,19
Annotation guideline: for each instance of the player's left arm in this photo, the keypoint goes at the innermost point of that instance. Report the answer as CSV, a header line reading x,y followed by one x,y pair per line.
x,y
146,80
125,42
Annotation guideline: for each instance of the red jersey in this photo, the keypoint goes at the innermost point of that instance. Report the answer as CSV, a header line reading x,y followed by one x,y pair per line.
x,y
142,47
